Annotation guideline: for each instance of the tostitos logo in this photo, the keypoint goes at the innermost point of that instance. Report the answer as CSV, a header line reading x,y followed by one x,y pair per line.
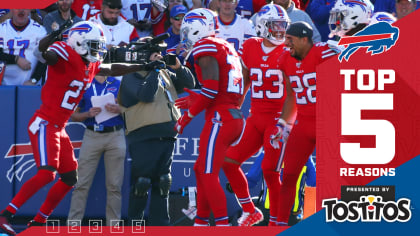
x,y
367,204
367,209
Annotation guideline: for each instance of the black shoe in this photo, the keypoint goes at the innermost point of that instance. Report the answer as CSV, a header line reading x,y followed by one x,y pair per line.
x,y
35,223
229,187
295,218
5,226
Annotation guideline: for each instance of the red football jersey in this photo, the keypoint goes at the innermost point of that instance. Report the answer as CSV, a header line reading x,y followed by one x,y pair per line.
x,y
231,84
66,83
302,76
268,88
85,9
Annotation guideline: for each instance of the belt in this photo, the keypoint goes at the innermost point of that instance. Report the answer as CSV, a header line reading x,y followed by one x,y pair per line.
x,y
106,129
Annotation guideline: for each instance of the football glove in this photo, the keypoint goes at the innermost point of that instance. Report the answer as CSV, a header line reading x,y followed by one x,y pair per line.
x,y
185,102
276,134
182,122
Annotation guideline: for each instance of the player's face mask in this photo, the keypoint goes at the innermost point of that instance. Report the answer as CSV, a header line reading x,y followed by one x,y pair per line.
x,y
336,22
277,30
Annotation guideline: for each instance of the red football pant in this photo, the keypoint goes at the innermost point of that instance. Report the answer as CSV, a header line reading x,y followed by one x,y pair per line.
x,y
256,135
52,150
300,145
217,135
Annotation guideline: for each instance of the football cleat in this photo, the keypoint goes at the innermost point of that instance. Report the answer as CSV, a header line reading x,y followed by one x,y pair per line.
x,y
250,219
6,226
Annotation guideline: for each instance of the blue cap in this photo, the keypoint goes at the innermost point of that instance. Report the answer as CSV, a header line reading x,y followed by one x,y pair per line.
x,y
178,9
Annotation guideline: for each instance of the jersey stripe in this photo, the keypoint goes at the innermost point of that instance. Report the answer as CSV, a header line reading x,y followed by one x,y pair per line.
x,y
204,50
60,51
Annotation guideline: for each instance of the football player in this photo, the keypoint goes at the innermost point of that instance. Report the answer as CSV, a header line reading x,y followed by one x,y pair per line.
x,y
262,70
219,71
71,68
299,67
349,17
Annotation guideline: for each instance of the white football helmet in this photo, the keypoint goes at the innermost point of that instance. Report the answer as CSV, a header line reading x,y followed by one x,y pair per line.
x,y
197,24
382,16
88,40
271,23
347,14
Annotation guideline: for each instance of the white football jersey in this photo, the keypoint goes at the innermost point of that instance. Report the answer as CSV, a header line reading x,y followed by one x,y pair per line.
x,y
114,34
22,43
239,30
136,9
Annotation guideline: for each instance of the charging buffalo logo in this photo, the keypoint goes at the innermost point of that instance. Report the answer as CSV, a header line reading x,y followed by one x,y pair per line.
x,y
372,205
376,38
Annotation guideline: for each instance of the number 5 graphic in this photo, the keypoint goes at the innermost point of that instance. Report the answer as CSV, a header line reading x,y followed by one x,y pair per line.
x,y
352,124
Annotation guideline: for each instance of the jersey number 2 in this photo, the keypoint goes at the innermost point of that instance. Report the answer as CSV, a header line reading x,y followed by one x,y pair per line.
x,y
72,94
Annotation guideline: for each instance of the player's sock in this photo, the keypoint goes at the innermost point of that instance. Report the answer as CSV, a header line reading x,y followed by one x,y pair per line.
x,y
215,196
29,188
199,221
273,221
203,207
55,195
239,184
222,221
272,178
287,195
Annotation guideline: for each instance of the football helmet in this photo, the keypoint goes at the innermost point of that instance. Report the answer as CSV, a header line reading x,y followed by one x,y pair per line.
x,y
382,16
271,23
347,14
88,40
197,24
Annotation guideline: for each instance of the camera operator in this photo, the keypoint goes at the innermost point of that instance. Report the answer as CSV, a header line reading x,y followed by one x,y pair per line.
x,y
147,98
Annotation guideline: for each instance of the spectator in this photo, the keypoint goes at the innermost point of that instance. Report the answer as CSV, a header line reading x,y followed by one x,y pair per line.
x,y
105,138
85,9
150,115
19,38
296,14
118,32
319,11
53,20
177,14
247,8
404,7
232,27
160,17
138,13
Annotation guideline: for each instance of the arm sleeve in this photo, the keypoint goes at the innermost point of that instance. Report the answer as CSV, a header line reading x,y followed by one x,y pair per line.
x,y
59,48
182,78
134,89
9,59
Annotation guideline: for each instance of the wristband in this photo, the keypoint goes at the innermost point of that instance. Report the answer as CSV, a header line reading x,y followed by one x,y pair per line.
x,y
281,122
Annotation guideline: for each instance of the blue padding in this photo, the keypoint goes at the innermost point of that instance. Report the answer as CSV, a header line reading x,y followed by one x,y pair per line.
x,y
7,140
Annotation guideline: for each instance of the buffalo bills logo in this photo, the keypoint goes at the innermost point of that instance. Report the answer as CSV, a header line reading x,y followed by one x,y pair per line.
x,y
377,38
191,17
263,10
353,3
83,28
384,17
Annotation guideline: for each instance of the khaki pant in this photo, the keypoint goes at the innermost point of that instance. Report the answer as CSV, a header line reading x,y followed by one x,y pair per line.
x,y
94,144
